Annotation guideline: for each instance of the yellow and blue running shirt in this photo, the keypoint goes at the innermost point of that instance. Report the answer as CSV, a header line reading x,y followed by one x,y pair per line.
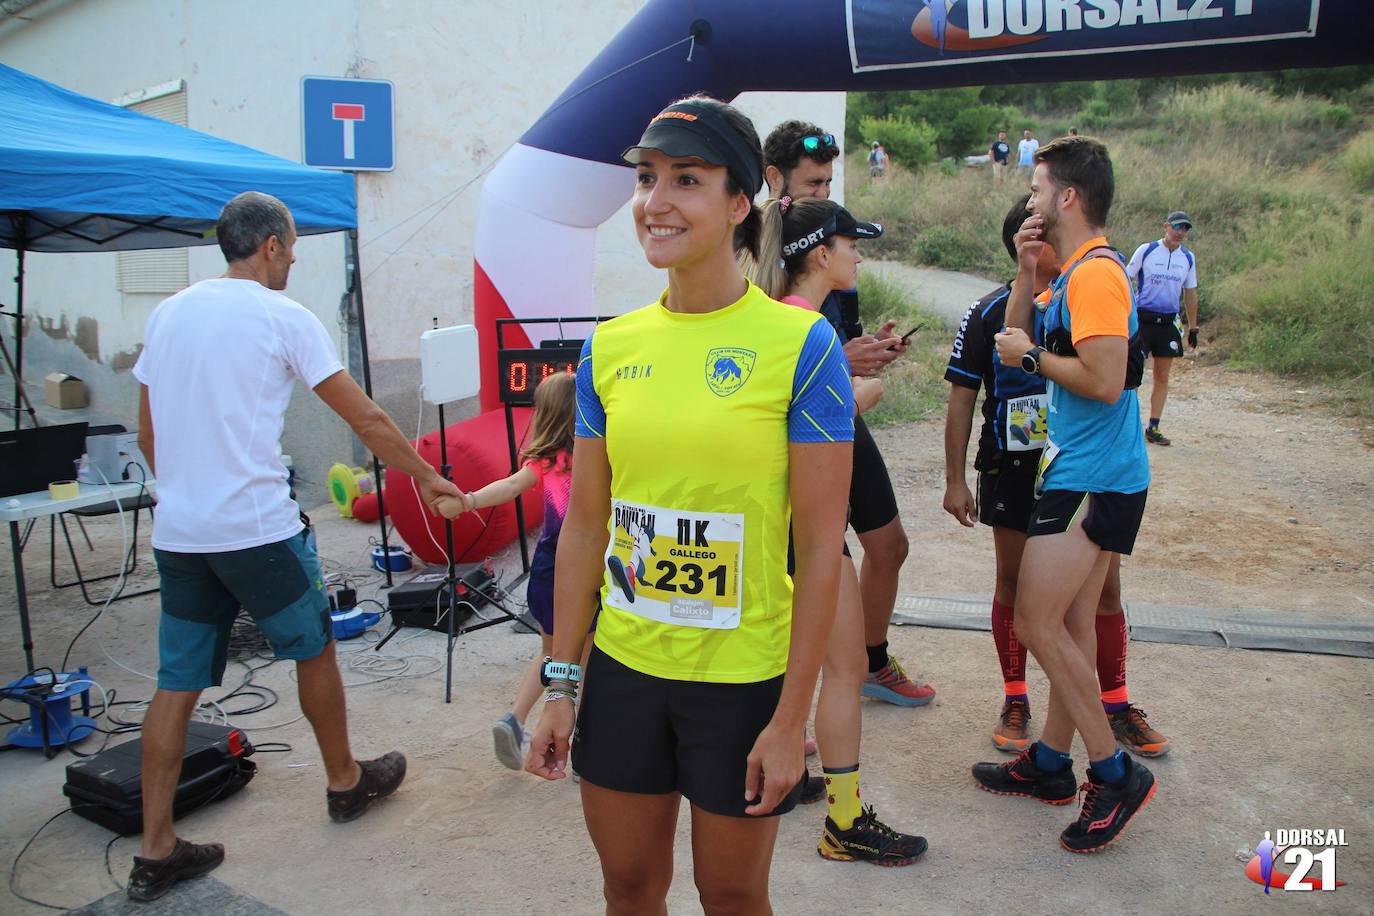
x,y
697,411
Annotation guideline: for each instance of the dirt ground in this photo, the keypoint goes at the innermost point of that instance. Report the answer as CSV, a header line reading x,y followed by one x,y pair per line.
x,y
1264,501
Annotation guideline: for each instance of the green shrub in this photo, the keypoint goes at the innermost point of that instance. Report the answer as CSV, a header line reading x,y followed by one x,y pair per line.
x,y
950,167
1095,116
913,385
1357,161
1153,137
947,247
1334,115
1313,315
909,143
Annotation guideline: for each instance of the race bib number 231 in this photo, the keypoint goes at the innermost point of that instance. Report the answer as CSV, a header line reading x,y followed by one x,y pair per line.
x,y
675,566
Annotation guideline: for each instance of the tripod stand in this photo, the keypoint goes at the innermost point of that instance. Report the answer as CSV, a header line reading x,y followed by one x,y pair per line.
x,y
448,366
453,583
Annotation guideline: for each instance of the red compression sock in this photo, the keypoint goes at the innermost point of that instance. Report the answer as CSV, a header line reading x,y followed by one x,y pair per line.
x,y
1010,653
1111,660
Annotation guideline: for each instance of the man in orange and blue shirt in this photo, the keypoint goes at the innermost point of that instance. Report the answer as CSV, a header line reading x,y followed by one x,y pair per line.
x,y
1094,477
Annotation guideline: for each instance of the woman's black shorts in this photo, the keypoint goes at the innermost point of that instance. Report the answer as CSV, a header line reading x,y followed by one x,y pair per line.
x,y
649,735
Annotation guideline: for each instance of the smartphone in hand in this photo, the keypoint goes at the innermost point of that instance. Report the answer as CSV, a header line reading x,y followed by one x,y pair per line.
x,y
906,338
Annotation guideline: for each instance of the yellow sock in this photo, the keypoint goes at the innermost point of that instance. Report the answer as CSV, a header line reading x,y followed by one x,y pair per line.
x,y
842,792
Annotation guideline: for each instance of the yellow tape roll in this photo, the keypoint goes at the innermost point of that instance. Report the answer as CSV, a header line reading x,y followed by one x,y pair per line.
x,y
63,489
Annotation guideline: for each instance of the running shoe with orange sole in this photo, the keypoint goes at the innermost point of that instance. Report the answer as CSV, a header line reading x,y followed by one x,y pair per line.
x,y
1012,732
892,685
1022,777
1135,734
1108,809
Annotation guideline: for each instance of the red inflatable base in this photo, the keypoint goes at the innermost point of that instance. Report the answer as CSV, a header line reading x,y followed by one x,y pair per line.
x,y
365,508
478,453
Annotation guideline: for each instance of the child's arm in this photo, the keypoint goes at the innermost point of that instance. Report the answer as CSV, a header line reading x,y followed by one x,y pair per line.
x,y
503,491
493,494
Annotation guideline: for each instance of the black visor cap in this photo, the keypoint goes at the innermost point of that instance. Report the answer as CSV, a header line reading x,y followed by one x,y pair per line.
x,y
691,130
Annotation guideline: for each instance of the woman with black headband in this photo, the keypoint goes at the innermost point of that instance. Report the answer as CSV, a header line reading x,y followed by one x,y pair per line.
x,y
706,421
810,247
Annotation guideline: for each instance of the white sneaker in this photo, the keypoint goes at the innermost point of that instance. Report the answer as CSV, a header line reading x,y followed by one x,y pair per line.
x,y
510,741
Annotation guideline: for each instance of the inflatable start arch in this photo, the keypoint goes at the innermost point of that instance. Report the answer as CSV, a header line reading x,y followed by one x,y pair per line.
x,y
564,177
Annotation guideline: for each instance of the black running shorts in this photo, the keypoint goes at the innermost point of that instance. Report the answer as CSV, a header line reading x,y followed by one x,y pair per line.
x,y
649,735
1006,496
1111,520
1159,334
872,504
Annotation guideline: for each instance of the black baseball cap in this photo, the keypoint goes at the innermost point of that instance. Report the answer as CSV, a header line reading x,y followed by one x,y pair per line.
x,y
1178,216
692,129
840,222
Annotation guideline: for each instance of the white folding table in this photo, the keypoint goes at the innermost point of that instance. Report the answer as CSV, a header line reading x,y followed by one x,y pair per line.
x,y
17,509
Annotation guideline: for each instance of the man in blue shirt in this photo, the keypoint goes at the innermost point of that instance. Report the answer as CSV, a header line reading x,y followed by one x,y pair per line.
x,y
1162,270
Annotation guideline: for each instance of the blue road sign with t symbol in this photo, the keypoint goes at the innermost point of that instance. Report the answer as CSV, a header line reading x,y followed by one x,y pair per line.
x,y
347,124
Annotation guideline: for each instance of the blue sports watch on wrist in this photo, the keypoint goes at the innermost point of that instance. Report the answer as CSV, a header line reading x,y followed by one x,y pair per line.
x,y
560,671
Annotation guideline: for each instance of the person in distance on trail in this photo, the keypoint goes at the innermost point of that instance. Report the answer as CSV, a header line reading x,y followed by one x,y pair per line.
x,y
1163,271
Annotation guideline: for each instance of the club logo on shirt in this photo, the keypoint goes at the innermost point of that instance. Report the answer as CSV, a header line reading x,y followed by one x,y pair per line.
x,y
727,369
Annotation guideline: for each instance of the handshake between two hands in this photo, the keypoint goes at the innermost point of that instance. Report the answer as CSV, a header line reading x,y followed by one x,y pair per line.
x,y
454,506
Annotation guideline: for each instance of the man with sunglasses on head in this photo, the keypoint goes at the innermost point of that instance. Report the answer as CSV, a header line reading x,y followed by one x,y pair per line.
x,y
798,162
1163,270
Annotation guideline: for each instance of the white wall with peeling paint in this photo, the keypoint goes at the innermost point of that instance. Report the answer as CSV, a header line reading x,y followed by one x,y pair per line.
x,y
469,78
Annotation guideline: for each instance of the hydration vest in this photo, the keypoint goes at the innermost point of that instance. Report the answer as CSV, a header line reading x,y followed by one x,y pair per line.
x,y
1057,338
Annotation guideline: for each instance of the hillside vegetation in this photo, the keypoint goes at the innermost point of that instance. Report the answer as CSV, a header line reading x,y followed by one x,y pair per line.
x,y
1280,186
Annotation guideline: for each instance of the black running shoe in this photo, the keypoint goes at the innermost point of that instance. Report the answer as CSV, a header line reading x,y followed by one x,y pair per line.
x,y
870,840
1107,809
813,789
151,878
380,778
1022,777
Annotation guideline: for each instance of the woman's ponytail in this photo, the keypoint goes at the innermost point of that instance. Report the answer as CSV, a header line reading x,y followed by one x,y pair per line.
x,y
765,268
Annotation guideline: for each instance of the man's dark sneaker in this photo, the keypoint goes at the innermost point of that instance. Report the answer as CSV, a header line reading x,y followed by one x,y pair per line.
x,y
380,778
813,789
869,840
1012,732
1107,809
1153,435
1135,734
151,878
1022,777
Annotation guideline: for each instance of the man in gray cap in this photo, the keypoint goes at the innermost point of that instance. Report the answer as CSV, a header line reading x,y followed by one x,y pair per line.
x,y
1163,271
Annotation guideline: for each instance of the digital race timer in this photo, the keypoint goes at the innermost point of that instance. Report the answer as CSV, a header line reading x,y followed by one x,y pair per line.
x,y
523,370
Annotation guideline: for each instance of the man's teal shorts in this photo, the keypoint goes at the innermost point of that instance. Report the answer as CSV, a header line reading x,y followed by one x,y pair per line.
x,y
280,586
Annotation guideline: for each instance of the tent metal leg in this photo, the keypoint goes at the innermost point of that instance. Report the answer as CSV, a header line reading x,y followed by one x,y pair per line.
x,y
357,282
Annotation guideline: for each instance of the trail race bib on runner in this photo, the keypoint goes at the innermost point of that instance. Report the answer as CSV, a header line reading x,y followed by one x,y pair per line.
x,y
1027,429
674,566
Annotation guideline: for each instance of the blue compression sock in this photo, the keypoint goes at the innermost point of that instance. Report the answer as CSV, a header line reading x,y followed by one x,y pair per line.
x,y
1112,770
1048,760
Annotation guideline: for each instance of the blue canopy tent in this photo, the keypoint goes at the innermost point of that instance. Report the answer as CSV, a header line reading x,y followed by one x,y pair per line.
x,y
78,174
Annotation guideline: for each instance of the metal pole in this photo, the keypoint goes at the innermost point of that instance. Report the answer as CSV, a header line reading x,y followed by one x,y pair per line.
x,y
451,580
519,500
19,318
356,282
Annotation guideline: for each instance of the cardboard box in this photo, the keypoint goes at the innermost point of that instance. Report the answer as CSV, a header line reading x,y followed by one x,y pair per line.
x,y
64,391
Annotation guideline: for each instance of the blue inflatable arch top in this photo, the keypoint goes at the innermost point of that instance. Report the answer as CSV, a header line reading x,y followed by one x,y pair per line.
x,y
564,177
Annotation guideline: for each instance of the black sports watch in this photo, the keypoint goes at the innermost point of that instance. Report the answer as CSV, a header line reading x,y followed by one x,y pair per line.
x,y
559,671
1030,360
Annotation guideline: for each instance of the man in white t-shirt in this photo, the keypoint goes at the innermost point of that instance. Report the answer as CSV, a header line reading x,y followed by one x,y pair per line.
x,y
219,362
1025,152
1164,271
